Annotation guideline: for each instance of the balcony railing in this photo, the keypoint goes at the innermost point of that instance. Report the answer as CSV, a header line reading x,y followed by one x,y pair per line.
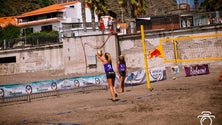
x,y
26,23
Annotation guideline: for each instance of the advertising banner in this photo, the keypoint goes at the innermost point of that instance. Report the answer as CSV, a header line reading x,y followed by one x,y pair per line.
x,y
136,77
14,90
196,70
139,77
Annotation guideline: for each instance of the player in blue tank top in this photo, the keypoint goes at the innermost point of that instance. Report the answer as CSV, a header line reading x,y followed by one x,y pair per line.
x,y
108,67
122,71
110,74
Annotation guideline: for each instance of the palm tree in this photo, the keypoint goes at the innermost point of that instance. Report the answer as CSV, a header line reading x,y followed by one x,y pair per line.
x,y
98,6
212,5
134,8
83,15
101,7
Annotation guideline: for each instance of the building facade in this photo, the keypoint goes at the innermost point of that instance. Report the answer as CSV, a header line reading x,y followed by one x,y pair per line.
x,y
62,17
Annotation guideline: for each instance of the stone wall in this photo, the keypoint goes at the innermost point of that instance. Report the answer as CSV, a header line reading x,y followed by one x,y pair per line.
x,y
32,59
77,54
131,47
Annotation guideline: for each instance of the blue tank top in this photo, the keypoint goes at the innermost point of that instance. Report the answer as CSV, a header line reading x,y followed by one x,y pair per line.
x,y
122,67
108,67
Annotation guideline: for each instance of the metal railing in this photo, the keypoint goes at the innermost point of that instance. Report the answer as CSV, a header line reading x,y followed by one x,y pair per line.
x,y
27,42
30,97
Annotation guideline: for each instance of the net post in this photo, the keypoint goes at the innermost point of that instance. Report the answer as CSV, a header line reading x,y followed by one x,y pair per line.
x,y
145,58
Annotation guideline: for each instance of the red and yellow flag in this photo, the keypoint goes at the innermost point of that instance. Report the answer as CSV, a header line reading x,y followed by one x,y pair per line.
x,y
157,52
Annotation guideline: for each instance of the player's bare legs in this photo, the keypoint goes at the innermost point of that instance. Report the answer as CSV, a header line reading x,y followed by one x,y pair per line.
x,y
111,88
121,84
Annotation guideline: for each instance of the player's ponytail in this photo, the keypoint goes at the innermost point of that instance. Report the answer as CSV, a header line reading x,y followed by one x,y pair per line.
x,y
108,57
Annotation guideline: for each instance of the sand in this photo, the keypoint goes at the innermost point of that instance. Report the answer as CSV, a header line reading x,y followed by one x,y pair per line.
x,y
172,102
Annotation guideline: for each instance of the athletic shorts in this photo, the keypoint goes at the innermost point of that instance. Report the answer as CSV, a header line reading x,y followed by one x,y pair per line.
x,y
122,73
110,75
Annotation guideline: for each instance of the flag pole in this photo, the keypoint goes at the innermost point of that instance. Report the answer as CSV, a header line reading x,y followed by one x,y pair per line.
x,y
145,58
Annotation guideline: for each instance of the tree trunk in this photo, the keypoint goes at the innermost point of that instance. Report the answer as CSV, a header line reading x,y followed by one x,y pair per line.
x,y
93,19
83,15
129,8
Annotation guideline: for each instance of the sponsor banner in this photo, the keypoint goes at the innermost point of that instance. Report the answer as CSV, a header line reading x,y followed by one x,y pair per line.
x,y
139,77
196,70
157,74
136,77
14,90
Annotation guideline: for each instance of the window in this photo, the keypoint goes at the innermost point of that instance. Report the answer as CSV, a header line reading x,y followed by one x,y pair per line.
x,y
88,24
8,59
76,25
91,61
46,28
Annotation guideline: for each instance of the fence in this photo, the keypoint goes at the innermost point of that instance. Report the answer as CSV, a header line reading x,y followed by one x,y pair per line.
x,y
192,48
28,42
29,97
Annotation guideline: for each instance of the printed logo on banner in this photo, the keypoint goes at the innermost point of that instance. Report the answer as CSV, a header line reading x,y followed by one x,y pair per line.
x,y
54,86
157,74
76,83
66,84
2,93
97,81
196,70
206,118
43,88
28,89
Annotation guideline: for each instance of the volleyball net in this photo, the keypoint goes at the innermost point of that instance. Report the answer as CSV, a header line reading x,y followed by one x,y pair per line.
x,y
192,48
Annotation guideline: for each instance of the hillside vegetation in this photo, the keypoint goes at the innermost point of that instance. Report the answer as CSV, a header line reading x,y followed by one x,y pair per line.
x,y
155,7
16,7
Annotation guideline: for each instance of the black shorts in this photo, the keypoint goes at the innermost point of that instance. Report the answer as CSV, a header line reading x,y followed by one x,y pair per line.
x,y
110,75
122,73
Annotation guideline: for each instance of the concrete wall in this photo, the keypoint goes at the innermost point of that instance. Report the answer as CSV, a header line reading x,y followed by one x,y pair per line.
x,y
32,59
131,47
76,55
79,53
